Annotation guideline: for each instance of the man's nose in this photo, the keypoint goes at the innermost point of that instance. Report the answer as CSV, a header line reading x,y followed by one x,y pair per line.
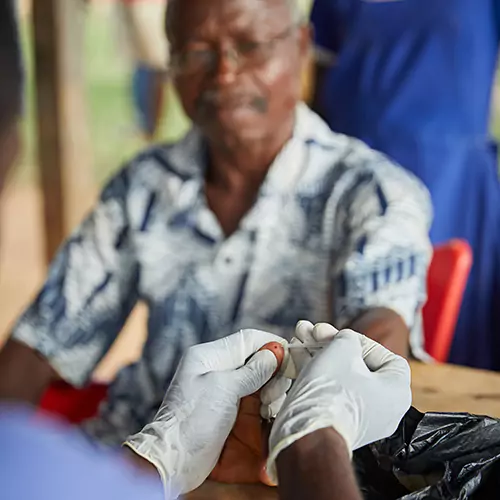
x,y
226,68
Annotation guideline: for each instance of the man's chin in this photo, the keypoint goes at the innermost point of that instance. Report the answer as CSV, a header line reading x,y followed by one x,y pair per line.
x,y
235,130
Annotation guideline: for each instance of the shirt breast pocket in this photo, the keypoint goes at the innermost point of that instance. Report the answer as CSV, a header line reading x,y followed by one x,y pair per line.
x,y
293,285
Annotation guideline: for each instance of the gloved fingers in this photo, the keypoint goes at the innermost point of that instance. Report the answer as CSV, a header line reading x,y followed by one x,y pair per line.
x,y
254,375
268,411
394,378
300,357
324,332
303,331
345,348
274,389
228,353
384,362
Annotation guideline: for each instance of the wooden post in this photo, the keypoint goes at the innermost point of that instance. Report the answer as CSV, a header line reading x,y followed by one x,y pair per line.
x,y
64,157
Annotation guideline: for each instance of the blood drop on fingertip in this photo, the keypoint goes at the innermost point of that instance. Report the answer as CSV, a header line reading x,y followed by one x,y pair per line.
x,y
278,350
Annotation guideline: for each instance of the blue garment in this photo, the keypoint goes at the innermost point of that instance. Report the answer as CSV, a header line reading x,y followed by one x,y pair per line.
x,y
413,79
336,229
42,460
144,99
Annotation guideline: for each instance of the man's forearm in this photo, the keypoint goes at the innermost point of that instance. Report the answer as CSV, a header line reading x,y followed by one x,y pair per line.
x,y
24,375
385,327
317,466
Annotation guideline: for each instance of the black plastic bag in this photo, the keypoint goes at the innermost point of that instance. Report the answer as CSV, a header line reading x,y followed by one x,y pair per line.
x,y
438,456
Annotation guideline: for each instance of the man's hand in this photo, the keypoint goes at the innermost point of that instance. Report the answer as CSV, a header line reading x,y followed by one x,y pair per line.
x,y
354,385
24,374
199,410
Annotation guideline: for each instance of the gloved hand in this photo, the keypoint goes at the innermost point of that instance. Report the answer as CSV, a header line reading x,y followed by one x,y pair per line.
x,y
354,385
199,410
274,393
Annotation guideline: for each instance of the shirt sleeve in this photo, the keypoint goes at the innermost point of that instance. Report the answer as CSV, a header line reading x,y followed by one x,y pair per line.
x,y
89,292
133,401
47,461
384,217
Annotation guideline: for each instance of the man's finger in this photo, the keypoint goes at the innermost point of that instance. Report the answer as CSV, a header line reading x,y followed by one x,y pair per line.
x,y
254,375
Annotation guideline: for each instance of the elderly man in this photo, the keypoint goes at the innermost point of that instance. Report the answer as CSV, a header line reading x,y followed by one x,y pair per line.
x,y
259,217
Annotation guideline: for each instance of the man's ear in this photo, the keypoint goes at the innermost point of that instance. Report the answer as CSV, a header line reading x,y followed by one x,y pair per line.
x,y
306,59
305,40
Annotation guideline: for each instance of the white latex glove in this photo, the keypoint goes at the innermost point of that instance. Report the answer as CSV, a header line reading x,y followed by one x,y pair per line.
x,y
199,410
354,385
274,393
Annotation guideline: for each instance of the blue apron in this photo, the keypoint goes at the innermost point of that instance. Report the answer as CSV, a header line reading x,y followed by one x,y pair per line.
x,y
413,79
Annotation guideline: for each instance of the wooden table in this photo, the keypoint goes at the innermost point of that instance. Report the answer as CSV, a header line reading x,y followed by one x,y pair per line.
x,y
435,388
455,389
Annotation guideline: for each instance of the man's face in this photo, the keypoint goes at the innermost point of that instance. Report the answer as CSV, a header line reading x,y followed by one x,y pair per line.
x,y
237,66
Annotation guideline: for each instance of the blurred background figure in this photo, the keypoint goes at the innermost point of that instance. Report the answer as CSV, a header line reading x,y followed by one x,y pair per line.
x,y
413,79
142,27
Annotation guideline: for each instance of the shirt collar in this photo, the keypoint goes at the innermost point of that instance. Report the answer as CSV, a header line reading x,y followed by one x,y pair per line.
x,y
187,158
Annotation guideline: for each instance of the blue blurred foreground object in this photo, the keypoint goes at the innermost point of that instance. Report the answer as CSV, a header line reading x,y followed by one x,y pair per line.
x,y
44,460
413,79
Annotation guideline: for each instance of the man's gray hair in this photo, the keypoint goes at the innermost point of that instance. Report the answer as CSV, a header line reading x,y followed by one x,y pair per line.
x,y
297,13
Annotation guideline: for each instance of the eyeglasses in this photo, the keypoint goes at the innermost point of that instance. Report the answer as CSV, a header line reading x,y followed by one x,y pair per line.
x,y
246,54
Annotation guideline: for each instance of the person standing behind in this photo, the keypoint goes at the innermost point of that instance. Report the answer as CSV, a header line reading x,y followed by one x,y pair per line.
x,y
143,25
413,79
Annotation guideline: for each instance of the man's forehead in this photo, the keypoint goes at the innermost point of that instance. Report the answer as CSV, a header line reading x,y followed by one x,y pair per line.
x,y
190,16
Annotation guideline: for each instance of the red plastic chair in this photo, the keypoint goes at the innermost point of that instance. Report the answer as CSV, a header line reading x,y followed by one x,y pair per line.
x,y
446,281
73,405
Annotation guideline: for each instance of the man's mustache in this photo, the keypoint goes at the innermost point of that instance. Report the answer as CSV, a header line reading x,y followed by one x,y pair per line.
x,y
210,99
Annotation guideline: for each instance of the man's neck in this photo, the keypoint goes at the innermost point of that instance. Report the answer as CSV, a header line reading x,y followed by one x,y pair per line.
x,y
239,167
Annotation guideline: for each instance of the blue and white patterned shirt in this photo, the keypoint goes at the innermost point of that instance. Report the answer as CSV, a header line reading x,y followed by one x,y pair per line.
x,y
336,229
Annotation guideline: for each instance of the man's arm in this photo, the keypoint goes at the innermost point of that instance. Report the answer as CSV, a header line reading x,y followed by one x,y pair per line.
x,y
317,466
380,273
88,294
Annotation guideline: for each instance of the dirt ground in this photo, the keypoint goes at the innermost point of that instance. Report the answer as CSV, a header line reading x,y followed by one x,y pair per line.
x,y
22,270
